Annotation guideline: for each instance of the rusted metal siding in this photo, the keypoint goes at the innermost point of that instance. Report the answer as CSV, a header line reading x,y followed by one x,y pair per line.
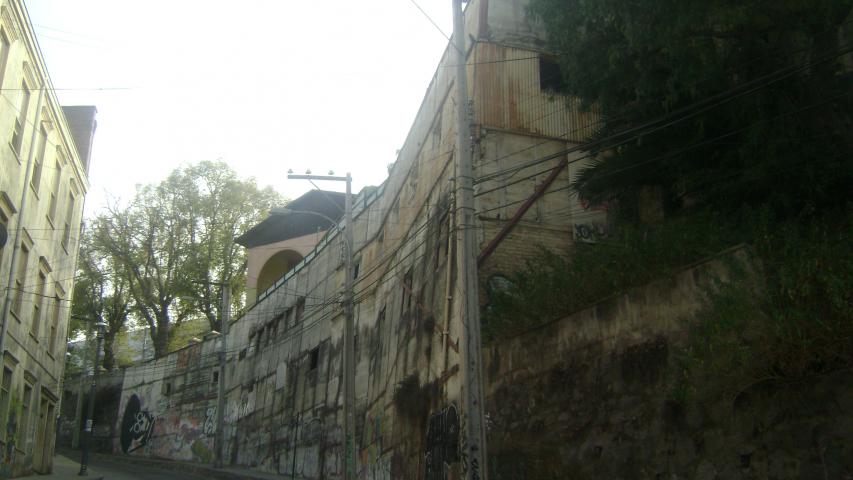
x,y
507,95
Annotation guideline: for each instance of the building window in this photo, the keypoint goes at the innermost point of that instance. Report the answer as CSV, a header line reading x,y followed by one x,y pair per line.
x,y
300,310
35,181
288,318
275,326
215,380
4,221
54,189
21,122
24,426
167,388
314,358
5,388
436,132
4,54
20,281
38,303
259,341
54,323
550,76
69,217
407,292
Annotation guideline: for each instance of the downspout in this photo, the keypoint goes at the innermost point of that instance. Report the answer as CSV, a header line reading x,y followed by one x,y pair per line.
x,y
540,190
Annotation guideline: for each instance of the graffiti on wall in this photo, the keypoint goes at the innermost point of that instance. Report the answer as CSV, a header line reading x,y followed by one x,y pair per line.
x,y
591,232
188,356
210,421
136,426
442,445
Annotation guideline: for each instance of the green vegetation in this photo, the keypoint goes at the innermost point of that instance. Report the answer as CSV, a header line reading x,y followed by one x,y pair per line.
x,y
552,286
791,321
158,260
798,325
756,96
740,121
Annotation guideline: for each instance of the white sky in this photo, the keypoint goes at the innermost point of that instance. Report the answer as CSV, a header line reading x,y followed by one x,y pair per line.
x,y
265,85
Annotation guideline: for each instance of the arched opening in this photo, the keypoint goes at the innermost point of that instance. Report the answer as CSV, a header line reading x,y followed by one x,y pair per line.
x,y
276,267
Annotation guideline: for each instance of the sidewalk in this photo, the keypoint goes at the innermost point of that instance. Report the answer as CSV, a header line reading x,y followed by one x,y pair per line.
x,y
65,468
63,464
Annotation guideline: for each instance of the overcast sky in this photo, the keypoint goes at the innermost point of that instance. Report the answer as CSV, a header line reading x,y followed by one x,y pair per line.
x,y
265,85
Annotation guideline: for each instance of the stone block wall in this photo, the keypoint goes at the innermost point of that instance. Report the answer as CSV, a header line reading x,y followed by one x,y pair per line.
x,y
591,396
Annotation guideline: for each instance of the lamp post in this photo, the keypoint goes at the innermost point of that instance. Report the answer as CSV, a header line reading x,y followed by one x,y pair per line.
x,y
100,327
220,401
349,334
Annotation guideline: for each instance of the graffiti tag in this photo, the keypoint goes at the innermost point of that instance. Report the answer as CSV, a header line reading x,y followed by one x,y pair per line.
x,y
591,232
136,425
210,421
442,443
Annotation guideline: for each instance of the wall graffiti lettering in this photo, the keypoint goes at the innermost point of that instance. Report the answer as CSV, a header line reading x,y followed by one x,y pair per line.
x,y
442,443
136,425
210,421
591,232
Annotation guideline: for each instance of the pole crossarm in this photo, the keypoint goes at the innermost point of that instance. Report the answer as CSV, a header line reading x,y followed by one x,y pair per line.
x,y
318,177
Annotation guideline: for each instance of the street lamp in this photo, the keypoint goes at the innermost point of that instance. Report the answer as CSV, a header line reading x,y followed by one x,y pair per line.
x,y
100,328
349,334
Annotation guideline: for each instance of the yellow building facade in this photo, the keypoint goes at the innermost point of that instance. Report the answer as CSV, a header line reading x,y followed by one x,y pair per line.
x,y
44,155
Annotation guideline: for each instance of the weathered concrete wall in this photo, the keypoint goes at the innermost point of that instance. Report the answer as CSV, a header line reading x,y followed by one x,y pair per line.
x,y
284,389
168,406
590,396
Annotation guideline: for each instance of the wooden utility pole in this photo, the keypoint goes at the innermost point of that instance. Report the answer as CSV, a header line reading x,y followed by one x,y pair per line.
x,y
466,254
223,358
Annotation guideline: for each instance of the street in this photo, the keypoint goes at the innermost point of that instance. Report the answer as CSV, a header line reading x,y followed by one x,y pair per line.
x,y
67,468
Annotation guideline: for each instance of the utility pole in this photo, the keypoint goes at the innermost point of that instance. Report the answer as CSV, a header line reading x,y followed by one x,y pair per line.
x,y
349,342
223,358
349,334
87,433
470,346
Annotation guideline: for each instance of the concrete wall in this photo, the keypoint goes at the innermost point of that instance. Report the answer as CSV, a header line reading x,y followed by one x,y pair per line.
x,y
37,318
168,406
601,402
284,389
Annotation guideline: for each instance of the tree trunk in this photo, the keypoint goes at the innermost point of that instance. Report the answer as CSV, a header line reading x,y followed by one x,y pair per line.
x,y
160,338
109,362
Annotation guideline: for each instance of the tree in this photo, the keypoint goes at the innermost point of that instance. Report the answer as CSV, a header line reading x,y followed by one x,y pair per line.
x,y
776,131
100,295
174,244
226,206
